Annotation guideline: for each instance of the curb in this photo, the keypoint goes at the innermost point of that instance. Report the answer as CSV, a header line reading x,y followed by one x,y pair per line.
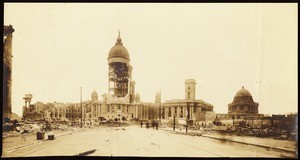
x,y
258,145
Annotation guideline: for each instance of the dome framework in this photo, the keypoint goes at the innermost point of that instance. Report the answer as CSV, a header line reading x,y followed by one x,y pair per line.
x,y
119,74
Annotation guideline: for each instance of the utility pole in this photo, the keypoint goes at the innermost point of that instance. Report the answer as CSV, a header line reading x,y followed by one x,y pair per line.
x,y
174,122
81,107
186,123
160,106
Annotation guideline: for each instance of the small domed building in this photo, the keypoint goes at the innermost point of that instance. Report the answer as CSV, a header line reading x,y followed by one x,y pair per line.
x,y
243,104
94,96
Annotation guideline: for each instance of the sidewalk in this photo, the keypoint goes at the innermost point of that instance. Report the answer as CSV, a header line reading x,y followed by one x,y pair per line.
x,y
13,143
282,145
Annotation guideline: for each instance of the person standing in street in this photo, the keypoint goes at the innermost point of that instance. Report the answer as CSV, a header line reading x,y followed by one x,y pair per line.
x,y
147,124
141,124
153,124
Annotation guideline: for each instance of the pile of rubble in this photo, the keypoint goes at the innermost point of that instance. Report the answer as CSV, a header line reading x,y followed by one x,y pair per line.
x,y
18,127
256,131
14,128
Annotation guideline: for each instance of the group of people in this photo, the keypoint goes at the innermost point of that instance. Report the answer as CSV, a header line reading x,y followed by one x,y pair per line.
x,y
154,124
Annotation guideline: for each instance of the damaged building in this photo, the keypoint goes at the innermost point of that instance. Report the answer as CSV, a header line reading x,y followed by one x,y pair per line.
x,y
189,108
7,70
122,102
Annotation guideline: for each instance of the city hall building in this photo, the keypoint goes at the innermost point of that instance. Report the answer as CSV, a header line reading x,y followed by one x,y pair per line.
x,y
121,101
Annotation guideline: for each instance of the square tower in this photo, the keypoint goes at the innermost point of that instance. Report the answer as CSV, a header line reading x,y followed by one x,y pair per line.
x,y
190,89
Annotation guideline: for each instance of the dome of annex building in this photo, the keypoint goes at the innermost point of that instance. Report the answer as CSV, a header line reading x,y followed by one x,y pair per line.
x,y
243,93
243,96
118,50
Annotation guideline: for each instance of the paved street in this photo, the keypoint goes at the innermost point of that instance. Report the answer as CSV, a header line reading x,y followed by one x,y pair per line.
x,y
136,141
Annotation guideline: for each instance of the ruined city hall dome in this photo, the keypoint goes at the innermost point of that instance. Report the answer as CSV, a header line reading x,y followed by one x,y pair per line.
x,y
118,50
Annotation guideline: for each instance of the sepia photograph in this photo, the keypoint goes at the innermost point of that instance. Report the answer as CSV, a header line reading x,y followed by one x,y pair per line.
x,y
150,80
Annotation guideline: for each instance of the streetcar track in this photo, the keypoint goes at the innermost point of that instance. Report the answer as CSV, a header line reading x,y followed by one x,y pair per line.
x,y
174,139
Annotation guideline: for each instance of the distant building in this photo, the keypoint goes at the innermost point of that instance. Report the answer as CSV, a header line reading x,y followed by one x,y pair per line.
x,y
189,108
243,104
32,111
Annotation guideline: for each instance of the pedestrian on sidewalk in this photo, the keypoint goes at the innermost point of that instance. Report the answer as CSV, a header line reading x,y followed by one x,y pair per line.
x,y
156,125
141,124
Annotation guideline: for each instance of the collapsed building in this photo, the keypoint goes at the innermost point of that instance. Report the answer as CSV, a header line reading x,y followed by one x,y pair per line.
x,y
121,102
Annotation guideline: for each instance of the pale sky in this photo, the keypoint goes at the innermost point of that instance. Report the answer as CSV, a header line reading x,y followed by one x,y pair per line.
x,y
59,47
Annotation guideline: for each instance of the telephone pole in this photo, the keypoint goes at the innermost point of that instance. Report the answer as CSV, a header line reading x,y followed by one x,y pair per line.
x,y
160,106
174,122
186,123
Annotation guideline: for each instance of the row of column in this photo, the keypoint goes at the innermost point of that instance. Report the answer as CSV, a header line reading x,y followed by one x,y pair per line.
x,y
184,112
